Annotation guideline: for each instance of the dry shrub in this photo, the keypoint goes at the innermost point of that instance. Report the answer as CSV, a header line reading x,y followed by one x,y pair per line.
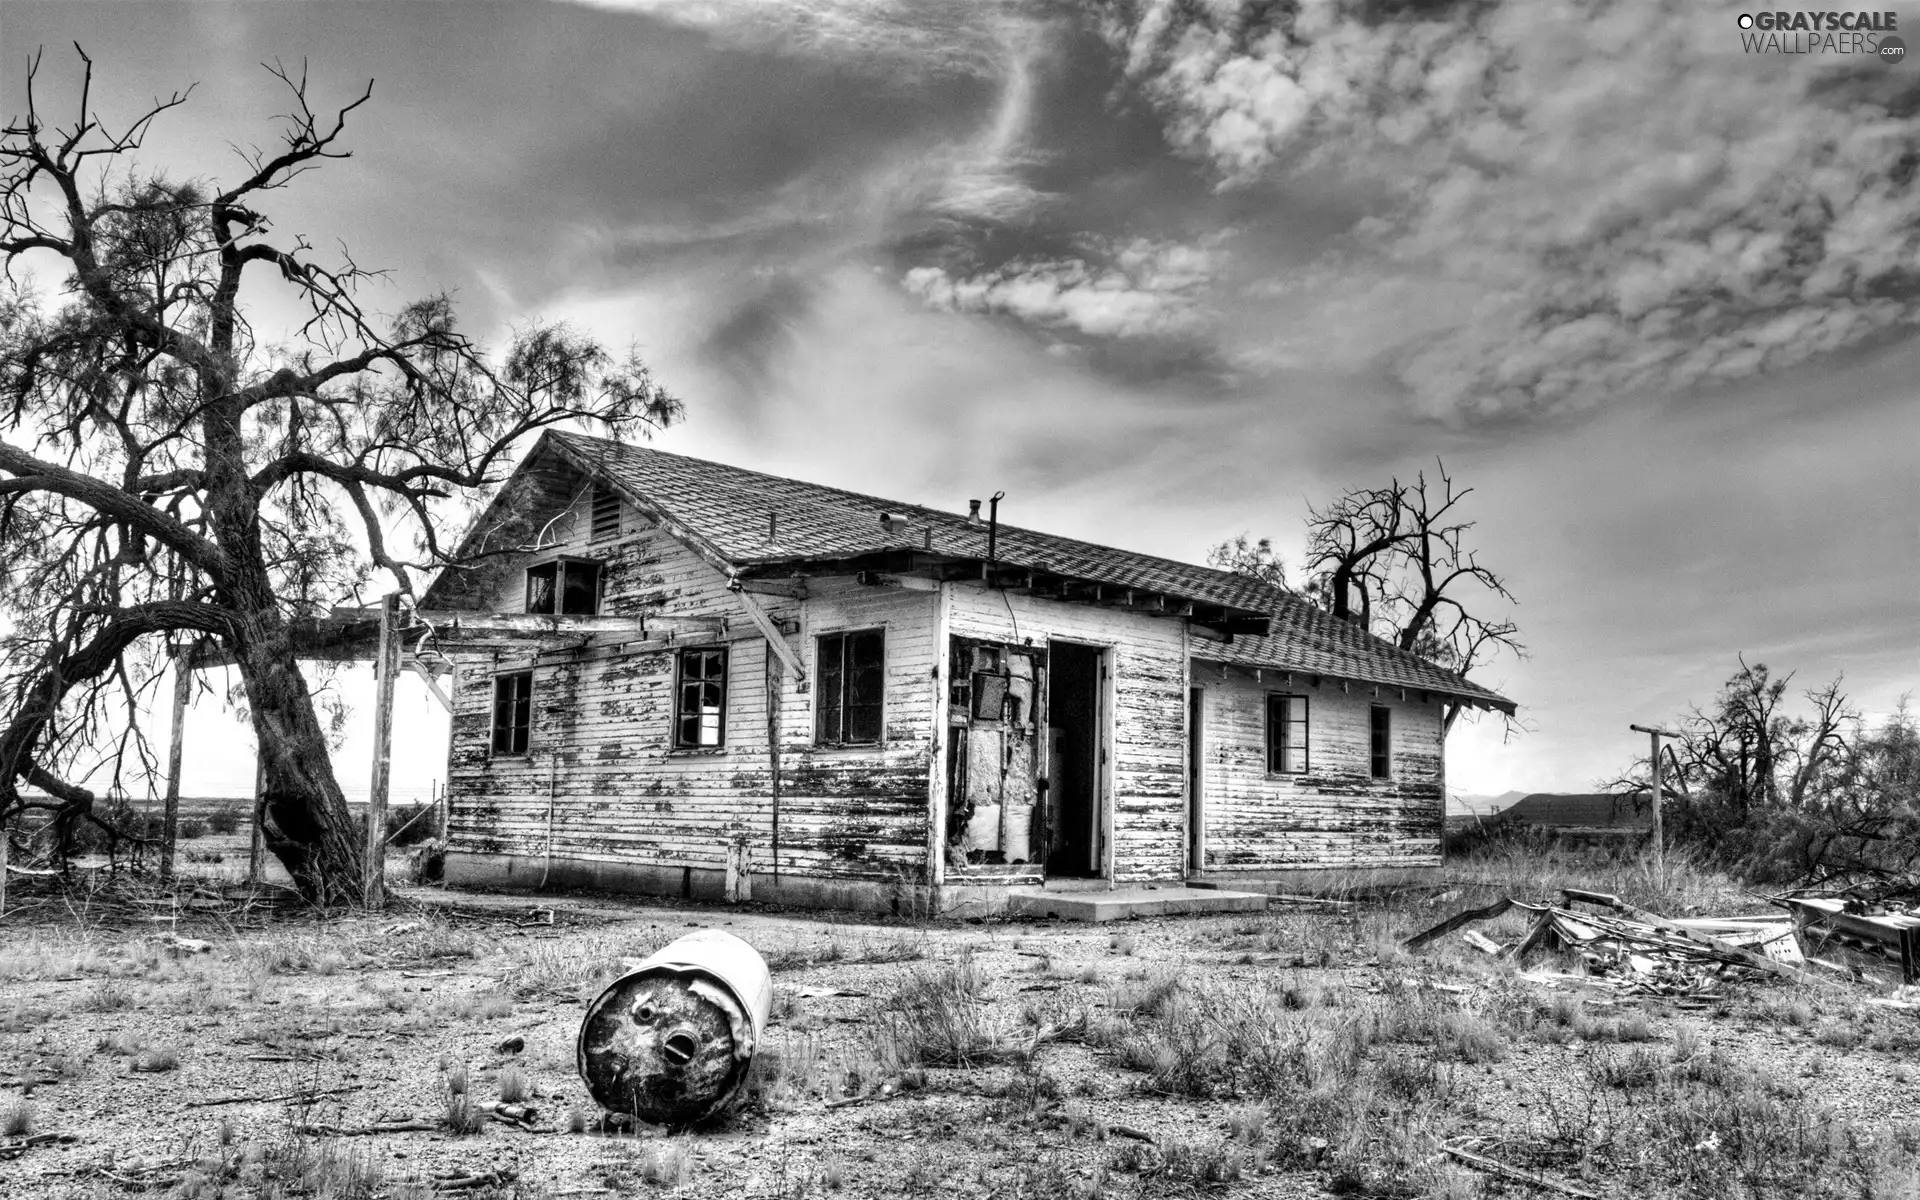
x,y
937,1018
512,1085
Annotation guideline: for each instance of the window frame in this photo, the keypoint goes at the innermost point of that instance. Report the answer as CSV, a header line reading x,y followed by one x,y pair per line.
x,y
560,566
1380,741
680,682
523,725
1280,750
845,637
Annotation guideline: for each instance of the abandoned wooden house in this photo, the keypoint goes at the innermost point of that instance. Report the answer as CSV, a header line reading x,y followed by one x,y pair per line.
x,y
747,683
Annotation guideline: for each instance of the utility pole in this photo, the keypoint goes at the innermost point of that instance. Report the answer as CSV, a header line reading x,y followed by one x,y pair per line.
x,y
1659,832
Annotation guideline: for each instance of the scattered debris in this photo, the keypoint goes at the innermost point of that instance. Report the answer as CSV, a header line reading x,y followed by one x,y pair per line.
x,y
408,1126
1636,950
462,1182
303,1097
15,1147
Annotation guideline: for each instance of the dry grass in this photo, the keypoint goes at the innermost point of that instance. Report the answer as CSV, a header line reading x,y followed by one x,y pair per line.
x,y
938,1018
1291,1053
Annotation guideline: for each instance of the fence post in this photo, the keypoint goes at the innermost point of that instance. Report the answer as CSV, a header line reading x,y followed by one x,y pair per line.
x,y
385,668
182,693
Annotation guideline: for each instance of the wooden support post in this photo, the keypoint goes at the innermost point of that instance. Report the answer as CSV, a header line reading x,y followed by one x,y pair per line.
x,y
1659,832
182,693
386,665
774,694
259,816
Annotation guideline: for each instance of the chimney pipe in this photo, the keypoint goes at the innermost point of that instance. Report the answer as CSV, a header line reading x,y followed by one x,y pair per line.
x,y
993,529
973,512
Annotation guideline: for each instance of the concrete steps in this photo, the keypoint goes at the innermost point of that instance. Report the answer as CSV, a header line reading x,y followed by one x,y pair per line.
x,y
1120,903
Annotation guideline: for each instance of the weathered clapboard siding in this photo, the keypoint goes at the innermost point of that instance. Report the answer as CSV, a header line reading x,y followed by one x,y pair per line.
x,y
600,755
1147,775
1335,814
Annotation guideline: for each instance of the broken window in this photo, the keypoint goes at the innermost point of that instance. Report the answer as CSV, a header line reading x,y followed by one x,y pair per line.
x,y
852,676
1381,741
574,583
512,712
606,513
1286,734
700,719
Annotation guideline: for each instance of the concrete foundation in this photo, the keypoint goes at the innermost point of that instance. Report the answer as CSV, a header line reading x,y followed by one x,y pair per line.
x,y
1316,881
512,871
1122,903
1073,900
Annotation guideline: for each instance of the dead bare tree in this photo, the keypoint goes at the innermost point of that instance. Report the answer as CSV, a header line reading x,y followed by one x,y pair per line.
x,y
1395,560
166,474
1256,560
1805,791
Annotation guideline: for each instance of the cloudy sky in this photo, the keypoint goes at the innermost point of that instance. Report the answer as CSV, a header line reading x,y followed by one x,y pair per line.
x,y
1168,272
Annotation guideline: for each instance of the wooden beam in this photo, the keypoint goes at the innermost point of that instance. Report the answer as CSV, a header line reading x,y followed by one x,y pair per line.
x,y
426,677
776,641
386,667
795,589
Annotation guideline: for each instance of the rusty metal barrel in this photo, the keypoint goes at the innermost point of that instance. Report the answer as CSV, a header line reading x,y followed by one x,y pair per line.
x,y
670,1041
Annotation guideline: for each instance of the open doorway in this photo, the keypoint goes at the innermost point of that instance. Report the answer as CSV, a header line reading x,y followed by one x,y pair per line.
x,y
1075,824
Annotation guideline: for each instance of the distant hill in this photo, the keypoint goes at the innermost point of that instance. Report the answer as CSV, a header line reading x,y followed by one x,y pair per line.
x,y
1460,805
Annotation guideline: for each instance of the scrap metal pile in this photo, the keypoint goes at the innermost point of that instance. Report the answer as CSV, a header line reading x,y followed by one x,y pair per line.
x,y
1634,950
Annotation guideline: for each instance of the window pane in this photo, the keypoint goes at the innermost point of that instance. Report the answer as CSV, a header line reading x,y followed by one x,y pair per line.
x,y
866,682
863,723
540,589
866,675
829,692
581,589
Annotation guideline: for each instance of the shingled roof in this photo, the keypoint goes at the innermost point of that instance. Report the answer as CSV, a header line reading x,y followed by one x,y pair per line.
x,y
723,513
1312,641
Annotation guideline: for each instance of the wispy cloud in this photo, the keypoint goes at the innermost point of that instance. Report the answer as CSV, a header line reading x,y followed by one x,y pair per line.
x,y
1622,198
1138,289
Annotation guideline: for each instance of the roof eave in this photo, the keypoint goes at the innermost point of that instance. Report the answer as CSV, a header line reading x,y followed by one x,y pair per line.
x,y
1477,698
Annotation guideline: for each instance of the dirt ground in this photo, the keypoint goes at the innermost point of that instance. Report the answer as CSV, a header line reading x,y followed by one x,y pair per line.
x,y
1295,1053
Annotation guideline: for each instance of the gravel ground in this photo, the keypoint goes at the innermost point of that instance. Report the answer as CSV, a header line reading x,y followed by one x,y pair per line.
x,y
180,1072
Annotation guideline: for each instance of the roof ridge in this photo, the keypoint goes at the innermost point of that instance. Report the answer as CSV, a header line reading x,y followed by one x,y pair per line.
x,y
904,505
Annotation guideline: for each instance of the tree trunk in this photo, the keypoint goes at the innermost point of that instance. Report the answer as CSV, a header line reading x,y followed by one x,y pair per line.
x,y
308,826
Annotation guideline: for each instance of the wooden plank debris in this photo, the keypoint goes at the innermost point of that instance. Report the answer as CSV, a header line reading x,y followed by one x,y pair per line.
x,y
1890,936
1494,1166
